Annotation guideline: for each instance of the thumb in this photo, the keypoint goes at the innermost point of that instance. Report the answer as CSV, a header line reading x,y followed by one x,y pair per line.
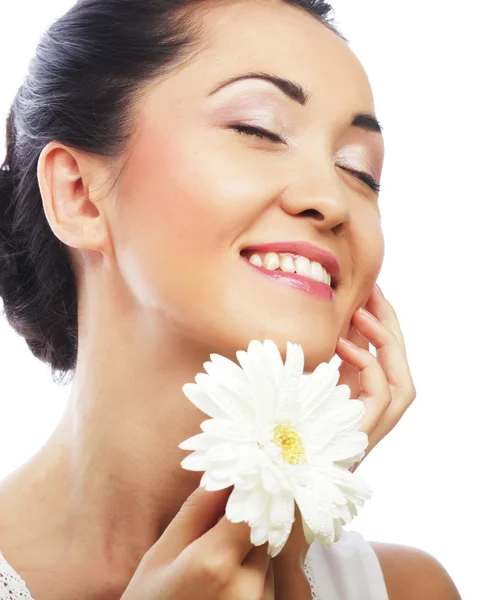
x,y
199,513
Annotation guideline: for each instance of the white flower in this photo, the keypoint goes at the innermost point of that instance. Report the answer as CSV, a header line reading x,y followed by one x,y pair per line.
x,y
278,437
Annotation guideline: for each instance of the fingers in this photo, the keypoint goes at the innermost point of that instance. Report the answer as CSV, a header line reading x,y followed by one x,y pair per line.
x,y
385,312
256,578
349,374
386,336
269,593
199,514
257,559
374,389
233,537
385,380
357,338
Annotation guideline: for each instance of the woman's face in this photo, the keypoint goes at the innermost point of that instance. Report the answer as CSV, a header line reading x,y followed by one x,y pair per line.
x,y
196,193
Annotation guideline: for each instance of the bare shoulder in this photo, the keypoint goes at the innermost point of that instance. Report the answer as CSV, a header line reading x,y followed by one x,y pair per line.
x,y
411,574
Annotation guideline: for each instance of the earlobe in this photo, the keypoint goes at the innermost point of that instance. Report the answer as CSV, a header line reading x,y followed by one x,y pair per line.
x,y
64,177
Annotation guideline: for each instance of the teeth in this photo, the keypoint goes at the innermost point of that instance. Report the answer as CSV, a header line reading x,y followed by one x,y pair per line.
x,y
301,265
256,260
271,261
287,264
317,271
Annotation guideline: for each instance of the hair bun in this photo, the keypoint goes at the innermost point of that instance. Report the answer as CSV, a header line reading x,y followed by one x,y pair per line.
x,y
7,250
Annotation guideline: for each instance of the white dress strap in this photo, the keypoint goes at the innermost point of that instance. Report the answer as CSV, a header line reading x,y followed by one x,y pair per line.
x,y
348,570
12,586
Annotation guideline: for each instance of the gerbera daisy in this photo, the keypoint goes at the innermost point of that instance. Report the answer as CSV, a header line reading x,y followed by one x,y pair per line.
x,y
279,437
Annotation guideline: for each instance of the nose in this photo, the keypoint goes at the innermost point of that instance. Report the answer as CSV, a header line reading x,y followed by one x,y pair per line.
x,y
319,201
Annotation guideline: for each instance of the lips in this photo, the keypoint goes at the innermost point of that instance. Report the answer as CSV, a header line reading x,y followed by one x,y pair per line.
x,y
307,249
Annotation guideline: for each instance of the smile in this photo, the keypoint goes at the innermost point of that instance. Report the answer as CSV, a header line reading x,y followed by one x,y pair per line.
x,y
300,265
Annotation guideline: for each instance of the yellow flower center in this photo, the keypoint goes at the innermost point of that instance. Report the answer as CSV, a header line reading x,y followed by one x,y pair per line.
x,y
290,441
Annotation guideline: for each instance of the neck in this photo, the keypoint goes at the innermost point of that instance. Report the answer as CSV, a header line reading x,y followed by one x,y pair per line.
x,y
108,481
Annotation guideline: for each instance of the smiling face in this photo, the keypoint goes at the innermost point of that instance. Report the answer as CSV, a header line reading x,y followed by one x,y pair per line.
x,y
201,190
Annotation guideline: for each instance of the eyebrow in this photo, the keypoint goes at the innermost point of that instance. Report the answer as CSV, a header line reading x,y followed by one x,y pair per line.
x,y
292,89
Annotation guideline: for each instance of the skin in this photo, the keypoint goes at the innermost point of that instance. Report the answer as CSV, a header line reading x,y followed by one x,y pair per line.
x,y
162,285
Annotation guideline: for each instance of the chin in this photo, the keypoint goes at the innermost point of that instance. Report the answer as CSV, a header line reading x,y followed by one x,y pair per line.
x,y
316,351
317,347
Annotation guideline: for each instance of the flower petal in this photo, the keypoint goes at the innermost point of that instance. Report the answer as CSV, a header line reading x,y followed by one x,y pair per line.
x,y
273,360
261,379
281,519
249,463
340,418
236,506
269,482
230,403
347,463
290,381
310,536
250,506
228,451
197,461
240,431
201,441
259,533
202,401
229,374
246,482
277,539
352,508
338,396
318,388
282,511
213,485
258,507
336,534
346,445
224,369
322,500
352,485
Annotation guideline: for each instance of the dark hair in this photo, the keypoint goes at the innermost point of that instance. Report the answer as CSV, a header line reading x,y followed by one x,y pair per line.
x,y
89,68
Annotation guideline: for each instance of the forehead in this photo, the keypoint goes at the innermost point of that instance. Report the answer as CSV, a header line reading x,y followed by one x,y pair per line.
x,y
271,35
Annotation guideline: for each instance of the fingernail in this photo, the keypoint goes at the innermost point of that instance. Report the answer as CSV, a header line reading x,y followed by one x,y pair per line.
x,y
367,314
347,343
379,289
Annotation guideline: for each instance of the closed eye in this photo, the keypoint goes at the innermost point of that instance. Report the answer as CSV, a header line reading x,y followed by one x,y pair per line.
x,y
258,132
265,134
362,176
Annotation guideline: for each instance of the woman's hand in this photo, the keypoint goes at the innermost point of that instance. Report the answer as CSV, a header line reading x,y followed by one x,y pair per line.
x,y
383,383
200,558
197,558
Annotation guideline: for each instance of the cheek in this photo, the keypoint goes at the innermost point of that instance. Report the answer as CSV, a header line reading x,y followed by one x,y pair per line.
x,y
369,243
184,203
194,190
367,252
373,246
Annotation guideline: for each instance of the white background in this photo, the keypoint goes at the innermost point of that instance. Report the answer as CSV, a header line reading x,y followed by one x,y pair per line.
x,y
433,70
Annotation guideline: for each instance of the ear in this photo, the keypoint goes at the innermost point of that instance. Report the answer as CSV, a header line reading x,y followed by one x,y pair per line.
x,y
68,181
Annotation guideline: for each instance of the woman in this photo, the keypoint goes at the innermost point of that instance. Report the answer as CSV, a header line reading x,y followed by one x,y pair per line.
x,y
140,182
